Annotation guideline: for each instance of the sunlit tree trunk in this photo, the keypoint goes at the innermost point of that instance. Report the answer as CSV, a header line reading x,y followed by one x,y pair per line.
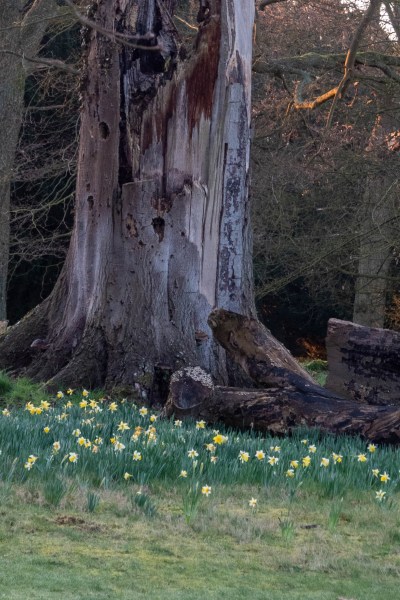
x,y
161,231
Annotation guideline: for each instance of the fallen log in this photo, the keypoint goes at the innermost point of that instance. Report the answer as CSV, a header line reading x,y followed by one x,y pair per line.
x,y
265,360
277,410
363,362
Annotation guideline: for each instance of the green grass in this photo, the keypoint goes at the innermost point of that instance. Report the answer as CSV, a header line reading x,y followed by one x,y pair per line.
x,y
72,530
318,368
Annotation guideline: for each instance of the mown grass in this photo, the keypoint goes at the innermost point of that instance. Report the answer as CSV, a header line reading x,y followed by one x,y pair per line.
x,y
110,526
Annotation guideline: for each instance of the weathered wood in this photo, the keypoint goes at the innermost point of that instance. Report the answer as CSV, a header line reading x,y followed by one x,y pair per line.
x,y
363,362
261,356
277,410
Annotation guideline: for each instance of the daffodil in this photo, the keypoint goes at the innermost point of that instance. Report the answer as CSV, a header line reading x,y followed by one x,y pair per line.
x,y
5,412
45,405
56,446
379,495
137,456
153,418
83,403
183,474
73,457
46,429
220,439
143,411
210,447
178,423
337,458
273,460
253,502
375,472
384,477
85,393
324,462
127,476
206,490
259,455
306,461
294,464
192,453
275,448
290,473
371,448
60,395
76,432
70,391
361,458
312,449
119,446
244,456
81,441
214,459
123,426
305,442
113,407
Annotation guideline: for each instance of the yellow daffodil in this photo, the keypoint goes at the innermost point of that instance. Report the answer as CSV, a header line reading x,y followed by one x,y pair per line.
x,y
206,490
324,462
306,461
70,392
44,405
68,404
312,449
60,395
127,476
259,455
83,403
214,459
5,412
123,426
361,458
200,424
220,439
46,429
192,453
380,495
178,423
294,464
143,411
153,418
244,456
85,393
81,441
113,407
32,459
76,432
337,458
305,442
183,474
375,472
210,447
73,457
253,502
384,477
119,446
371,448
290,473
93,404
137,456
275,448
56,446
273,460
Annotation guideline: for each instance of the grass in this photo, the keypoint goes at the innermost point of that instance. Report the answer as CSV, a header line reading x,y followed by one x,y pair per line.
x,y
106,525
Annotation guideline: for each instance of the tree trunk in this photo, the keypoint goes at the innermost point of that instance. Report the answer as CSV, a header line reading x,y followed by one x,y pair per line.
x,y
21,35
363,362
277,410
161,230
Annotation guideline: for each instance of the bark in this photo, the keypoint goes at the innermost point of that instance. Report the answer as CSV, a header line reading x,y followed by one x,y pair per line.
x,y
380,222
21,35
277,410
161,231
363,363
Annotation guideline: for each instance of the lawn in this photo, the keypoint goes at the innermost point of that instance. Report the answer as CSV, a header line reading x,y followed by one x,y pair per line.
x,y
100,498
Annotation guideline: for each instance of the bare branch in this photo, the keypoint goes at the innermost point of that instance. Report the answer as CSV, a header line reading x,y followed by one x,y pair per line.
x,y
265,3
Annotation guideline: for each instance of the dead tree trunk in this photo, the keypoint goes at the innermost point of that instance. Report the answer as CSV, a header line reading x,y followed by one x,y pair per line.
x,y
278,410
161,230
363,363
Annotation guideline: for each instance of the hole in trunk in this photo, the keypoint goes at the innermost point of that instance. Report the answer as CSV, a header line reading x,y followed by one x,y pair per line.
x,y
161,380
158,226
104,130
90,200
